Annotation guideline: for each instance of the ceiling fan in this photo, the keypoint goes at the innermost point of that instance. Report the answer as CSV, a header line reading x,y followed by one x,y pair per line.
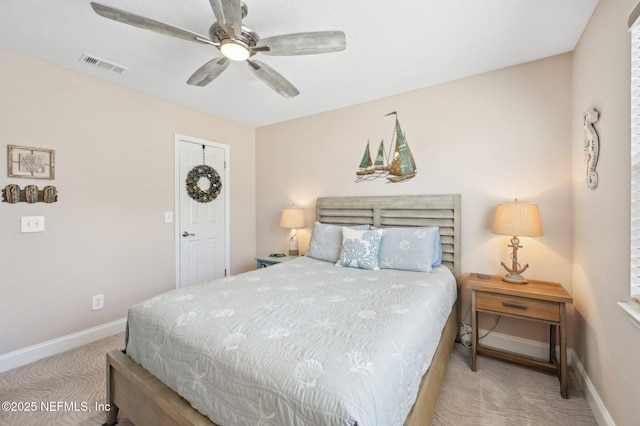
x,y
237,42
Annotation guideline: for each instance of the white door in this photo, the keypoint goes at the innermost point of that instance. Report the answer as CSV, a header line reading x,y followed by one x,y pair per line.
x,y
202,226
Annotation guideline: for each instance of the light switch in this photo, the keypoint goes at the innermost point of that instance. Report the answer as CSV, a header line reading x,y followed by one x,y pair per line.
x,y
32,223
168,217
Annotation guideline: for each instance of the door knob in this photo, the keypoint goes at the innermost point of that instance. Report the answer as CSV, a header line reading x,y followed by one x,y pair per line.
x,y
187,234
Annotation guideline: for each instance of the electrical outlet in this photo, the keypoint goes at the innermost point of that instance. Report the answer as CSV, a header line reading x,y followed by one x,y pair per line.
x,y
97,302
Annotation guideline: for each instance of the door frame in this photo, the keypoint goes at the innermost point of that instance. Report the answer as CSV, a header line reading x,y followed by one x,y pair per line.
x,y
179,186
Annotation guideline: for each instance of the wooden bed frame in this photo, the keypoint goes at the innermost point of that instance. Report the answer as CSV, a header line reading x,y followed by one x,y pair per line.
x,y
145,400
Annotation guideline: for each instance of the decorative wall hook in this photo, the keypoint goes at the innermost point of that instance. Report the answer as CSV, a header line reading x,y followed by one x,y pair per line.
x,y
31,194
12,194
50,194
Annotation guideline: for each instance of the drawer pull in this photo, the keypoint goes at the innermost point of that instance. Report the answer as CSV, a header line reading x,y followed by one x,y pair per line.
x,y
514,305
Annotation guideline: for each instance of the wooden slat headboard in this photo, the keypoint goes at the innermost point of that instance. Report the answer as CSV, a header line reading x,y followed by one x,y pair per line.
x,y
401,210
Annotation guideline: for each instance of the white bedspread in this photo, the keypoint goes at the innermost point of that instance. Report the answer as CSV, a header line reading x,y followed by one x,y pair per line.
x,y
300,343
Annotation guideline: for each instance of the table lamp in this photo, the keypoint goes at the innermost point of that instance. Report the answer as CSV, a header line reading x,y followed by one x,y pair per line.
x,y
517,219
293,218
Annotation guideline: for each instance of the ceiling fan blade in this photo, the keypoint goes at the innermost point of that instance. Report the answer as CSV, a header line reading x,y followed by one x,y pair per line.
x,y
273,79
303,43
147,24
208,72
229,15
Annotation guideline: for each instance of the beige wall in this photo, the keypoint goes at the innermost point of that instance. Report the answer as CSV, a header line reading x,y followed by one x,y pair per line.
x,y
515,132
115,175
491,137
605,341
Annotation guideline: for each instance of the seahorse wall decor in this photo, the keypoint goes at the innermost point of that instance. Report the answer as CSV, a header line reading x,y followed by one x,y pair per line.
x,y
591,146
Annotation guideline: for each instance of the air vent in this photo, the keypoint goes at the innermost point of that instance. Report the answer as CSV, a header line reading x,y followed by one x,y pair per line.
x,y
102,64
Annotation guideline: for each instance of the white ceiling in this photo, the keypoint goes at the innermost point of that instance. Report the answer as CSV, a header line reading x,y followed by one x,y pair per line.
x,y
392,47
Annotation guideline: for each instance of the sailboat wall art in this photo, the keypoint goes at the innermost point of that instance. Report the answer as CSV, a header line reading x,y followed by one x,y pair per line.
x,y
397,165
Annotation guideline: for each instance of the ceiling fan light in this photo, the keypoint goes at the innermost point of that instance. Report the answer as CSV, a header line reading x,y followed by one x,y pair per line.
x,y
235,50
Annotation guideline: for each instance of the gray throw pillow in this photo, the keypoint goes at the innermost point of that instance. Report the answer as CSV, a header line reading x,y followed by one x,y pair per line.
x,y
326,241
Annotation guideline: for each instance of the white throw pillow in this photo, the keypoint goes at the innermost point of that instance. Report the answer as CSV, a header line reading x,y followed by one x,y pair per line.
x,y
360,248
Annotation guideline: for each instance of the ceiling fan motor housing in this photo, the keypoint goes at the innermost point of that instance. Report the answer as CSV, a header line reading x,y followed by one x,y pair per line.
x,y
248,38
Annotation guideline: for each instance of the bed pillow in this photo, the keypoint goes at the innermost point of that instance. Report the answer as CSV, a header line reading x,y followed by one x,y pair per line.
x,y
326,241
360,248
437,249
437,244
410,249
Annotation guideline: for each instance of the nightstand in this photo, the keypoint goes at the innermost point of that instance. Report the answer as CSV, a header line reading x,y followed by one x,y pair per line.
x,y
539,301
264,261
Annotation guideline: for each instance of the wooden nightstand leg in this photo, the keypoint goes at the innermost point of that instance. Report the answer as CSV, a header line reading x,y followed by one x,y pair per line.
x,y
474,331
564,383
552,342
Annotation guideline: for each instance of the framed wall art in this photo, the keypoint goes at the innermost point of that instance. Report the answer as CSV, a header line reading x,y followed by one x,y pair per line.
x,y
32,163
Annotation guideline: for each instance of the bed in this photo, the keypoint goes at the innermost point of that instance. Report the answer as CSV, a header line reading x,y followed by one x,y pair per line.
x,y
304,285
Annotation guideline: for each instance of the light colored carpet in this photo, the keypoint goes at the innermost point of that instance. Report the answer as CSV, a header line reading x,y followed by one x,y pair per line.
x,y
499,393
76,377
504,393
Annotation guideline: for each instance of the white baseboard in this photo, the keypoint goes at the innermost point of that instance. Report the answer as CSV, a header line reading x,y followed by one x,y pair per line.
x,y
597,406
33,353
540,350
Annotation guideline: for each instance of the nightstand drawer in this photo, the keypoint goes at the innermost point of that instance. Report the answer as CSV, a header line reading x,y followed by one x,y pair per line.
x,y
520,306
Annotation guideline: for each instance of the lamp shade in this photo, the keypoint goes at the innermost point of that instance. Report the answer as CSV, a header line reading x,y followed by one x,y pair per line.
x,y
292,218
517,219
